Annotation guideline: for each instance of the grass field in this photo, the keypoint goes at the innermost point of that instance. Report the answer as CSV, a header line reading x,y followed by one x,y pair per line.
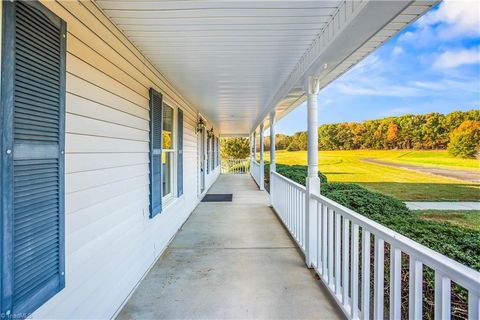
x,y
467,219
348,166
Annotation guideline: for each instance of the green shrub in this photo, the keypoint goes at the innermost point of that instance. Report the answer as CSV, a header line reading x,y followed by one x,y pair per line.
x,y
295,173
338,186
368,203
455,242
458,243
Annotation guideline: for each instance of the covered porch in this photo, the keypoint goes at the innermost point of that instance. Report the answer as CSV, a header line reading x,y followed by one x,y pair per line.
x,y
231,260
138,94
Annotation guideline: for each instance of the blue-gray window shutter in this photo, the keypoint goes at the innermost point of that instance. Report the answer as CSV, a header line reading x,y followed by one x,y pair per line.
x,y
208,153
155,153
32,117
180,153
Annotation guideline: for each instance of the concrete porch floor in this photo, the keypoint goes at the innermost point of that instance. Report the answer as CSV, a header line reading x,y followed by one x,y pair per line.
x,y
231,260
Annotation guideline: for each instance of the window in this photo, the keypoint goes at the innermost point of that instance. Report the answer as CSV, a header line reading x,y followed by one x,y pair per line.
x,y
32,129
168,152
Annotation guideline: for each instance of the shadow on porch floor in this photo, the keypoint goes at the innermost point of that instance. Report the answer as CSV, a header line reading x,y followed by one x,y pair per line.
x,y
231,260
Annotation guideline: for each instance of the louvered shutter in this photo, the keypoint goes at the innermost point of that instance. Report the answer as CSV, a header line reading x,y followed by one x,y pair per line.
x,y
155,153
33,119
208,153
180,154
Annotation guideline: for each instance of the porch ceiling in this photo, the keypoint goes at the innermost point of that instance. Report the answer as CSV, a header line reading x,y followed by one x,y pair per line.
x,y
238,60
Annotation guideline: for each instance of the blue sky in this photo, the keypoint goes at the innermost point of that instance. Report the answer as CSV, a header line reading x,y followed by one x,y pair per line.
x,y
431,66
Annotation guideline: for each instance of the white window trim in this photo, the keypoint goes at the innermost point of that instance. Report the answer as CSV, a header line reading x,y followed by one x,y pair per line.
x,y
169,198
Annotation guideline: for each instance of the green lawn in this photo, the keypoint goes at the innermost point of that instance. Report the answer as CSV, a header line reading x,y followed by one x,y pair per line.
x,y
469,219
440,159
347,166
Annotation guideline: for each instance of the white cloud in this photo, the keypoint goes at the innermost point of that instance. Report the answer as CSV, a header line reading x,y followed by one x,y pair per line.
x,y
457,18
397,51
452,19
455,58
377,87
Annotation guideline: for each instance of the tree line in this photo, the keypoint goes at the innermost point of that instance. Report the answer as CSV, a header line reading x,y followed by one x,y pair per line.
x,y
424,131
458,131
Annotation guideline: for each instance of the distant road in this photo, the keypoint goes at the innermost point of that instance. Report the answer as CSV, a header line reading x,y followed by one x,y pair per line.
x,y
465,175
470,205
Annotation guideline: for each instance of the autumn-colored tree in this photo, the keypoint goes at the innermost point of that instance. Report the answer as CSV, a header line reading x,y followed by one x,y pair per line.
x,y
234,148
392,134
423,131
465,140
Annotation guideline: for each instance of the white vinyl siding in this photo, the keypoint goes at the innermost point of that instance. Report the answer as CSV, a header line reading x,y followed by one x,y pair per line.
x,y
110,240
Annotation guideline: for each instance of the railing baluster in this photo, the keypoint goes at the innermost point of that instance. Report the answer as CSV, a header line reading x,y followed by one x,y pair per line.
x,y
302,222
345,264
338,221
378,279
395,282
319,237
354,271
284,214
330,247
295,214
324,241
415,289
295,210
442,296
473,305
292,212
365,274
289,203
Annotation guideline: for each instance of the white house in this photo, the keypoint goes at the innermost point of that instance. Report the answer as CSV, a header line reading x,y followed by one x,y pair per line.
x,y
110,119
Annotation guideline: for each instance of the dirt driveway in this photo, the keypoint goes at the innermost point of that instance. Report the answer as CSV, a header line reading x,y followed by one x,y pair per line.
x,y
465,175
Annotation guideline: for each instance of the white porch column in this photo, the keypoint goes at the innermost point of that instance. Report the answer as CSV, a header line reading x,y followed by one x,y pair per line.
x,y
251,146
272,153
312,182
262,164
254,145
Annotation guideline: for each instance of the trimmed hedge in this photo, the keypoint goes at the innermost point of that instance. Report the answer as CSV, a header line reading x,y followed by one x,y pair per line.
x,y
340,186
365,202
295,173
458,243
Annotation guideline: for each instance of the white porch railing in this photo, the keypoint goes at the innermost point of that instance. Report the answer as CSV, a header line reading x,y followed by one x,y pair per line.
x,y
234,166
288,200
255,171
342,257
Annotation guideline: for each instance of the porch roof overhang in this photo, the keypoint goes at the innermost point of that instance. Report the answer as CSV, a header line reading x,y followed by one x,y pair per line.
x,y
237,61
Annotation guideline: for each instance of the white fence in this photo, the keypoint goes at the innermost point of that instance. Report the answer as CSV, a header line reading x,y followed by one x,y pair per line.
x,y
255,171
288,200
234,166
346,243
